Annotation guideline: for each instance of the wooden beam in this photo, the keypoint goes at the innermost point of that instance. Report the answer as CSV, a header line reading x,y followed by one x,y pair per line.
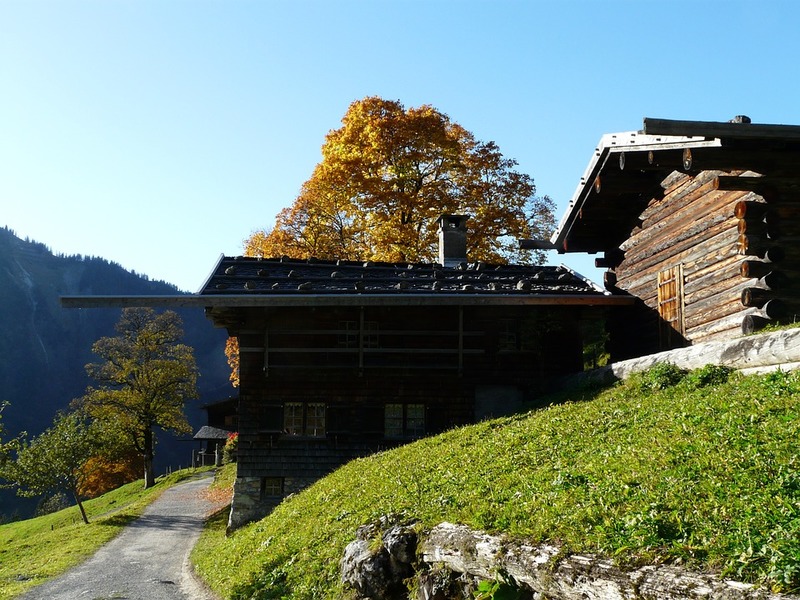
x,y
525,244
314,300
755,269
714,129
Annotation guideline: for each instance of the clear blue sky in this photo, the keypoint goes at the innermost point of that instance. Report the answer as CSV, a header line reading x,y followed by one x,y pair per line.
x,y
159,134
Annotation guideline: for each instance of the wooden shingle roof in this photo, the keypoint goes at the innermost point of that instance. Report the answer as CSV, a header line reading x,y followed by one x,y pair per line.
x,y
239,282
285,276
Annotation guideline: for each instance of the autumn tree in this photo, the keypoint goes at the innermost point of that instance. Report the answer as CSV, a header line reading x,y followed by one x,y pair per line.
x,y
143,381
56,460
115,464
387,174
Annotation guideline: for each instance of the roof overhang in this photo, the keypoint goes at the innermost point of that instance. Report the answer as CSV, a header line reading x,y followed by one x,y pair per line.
x,y
656,136
608,151
321,300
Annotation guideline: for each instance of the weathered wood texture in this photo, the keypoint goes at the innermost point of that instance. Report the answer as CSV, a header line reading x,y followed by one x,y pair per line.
x,y
749,354
738,251
693,225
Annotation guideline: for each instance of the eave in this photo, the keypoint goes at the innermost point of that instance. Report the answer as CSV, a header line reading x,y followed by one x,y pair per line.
x,y
320,300
626,170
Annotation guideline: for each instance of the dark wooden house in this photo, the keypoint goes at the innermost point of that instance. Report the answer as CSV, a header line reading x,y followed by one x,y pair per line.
x,y
341,359
699,221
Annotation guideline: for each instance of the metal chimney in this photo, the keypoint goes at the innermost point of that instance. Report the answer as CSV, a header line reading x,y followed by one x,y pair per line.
x,y
452,239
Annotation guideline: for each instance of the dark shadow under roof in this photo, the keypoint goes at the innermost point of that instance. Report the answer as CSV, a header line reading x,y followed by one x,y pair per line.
x,y
627,169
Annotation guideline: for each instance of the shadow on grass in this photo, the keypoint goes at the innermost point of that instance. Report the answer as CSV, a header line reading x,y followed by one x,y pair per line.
x,y
117,520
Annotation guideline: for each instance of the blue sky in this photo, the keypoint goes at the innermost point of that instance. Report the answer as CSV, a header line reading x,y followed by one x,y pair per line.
x,y
160,134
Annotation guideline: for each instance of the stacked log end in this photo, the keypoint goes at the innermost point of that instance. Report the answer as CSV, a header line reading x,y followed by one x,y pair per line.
x,y
771,296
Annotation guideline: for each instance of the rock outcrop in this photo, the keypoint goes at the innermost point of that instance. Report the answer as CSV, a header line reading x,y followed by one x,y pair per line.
x,y
392,561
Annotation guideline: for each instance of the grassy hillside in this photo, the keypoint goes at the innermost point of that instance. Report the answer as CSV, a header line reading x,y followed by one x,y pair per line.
x,y
701,470
27,548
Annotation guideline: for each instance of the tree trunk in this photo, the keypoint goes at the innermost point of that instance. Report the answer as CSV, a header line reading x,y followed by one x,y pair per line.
x,y
147,455
80,506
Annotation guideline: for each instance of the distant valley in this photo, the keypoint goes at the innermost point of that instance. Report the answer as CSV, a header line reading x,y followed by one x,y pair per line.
x,y
44,347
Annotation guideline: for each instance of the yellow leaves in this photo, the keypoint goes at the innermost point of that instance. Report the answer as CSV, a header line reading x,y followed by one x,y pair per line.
x,y
387,174
232,354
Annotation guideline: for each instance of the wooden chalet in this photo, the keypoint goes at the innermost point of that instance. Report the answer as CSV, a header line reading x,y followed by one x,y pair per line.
x,y
699,221
341,359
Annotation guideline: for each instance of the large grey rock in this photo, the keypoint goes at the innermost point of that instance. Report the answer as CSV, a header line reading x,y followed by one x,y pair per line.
x,y
377,564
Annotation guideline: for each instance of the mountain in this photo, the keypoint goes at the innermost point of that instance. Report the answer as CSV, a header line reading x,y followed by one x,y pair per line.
x,y
44,347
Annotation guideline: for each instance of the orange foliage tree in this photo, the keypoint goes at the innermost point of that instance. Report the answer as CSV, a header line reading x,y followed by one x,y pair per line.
x,y
387,174
103,473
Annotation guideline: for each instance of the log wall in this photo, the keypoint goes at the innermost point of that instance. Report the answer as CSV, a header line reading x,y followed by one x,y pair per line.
x,y
735,236
693,225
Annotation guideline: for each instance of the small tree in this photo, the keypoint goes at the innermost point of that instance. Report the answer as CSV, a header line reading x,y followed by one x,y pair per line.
x,y
55,460
145,378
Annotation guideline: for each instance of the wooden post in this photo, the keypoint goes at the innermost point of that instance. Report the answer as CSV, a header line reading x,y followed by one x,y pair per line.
x,y
774,280
775,309
757,246
749,208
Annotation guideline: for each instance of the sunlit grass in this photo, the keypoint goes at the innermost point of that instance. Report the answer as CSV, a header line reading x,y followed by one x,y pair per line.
x,y
693,470
35,550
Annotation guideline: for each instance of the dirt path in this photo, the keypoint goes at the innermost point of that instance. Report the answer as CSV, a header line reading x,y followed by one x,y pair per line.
x,y
149,560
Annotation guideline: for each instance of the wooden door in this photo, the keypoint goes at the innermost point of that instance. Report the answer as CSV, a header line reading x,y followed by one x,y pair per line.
x,y
670,308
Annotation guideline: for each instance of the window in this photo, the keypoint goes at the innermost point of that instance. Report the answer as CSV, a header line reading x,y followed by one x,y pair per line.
x,y
393,420
415,420
371,334
349,334
271,487
404,420
304,418
507,335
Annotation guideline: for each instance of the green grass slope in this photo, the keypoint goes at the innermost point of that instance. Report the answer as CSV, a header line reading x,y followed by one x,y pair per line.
x,y
699,469
38,549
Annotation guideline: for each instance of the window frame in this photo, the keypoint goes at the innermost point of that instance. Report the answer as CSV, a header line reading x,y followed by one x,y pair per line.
x,y
305,419
408,420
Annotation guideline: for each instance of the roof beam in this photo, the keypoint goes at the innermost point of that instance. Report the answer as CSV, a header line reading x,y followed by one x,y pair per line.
x,y
314,300
713,129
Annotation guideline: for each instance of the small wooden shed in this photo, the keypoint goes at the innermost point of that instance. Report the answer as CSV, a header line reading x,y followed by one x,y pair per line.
x,y
699,221
213,439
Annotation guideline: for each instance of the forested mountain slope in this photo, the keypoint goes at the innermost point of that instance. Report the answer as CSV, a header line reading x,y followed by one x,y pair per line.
x,y
44,347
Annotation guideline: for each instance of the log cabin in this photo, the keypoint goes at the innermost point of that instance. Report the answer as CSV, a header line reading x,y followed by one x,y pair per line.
x,y
342,359
699,222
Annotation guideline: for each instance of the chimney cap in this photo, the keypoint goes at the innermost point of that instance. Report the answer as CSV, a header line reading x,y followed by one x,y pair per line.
x,y
448,220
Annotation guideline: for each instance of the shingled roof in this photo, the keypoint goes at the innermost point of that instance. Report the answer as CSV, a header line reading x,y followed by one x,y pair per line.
x,y
238,281
286,276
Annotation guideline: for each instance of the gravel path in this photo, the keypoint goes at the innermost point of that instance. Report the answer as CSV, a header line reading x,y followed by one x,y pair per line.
x,y
149,560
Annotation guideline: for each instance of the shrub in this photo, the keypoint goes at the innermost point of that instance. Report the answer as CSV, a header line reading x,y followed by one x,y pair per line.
x,y
51,504
230,449
709,375
658,377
